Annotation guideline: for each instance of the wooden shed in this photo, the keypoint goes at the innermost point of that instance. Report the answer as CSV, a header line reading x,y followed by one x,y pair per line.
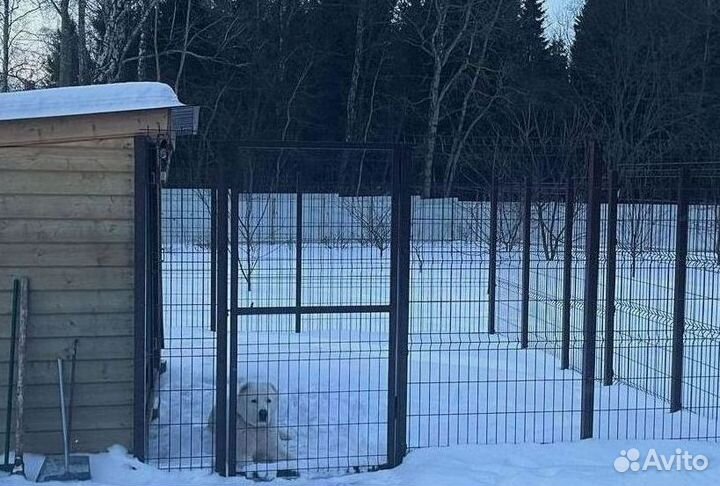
x,y
70,164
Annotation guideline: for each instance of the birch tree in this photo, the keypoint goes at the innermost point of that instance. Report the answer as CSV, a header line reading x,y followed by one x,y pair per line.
x,y
457,38
17,55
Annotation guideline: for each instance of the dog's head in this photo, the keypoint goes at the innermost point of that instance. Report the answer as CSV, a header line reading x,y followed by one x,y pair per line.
x,y
257,403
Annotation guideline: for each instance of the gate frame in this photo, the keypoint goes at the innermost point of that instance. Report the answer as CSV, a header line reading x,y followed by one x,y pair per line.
x,y
226,313
147,284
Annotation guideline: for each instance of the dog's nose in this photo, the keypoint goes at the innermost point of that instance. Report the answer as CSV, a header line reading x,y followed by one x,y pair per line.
x,y
262,415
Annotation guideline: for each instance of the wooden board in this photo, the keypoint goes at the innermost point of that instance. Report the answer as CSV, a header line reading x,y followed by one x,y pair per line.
x,y
84,440
65,231
85,395
93,418
45,372
73,302
75,207
89,348
64,278
18,182
84,127
17,255
67,158
77,325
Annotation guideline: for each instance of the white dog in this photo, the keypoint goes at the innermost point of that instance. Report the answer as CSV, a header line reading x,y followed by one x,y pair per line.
x,y
259,439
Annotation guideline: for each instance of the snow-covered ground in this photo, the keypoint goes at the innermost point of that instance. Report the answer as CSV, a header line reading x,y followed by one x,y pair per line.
x,y
465,386
569,463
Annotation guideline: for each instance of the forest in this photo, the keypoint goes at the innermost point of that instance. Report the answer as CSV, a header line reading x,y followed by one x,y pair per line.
x,y
468,84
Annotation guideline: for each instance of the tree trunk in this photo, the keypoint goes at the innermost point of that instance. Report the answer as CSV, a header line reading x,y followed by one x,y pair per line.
x,y
351,117
186,36
142,55
351,108
66,68
81,43
4,82
433,120
155,45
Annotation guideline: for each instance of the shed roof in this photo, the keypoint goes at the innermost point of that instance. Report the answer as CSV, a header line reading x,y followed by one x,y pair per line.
x,y
86,100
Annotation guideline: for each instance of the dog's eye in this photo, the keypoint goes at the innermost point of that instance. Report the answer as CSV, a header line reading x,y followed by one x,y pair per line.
x,y
269,401
254,400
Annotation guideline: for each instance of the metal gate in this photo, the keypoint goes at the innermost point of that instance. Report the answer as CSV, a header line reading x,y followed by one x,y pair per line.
x,y
285,297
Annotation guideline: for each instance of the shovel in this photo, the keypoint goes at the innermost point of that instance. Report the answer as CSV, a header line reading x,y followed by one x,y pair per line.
x,y
65,467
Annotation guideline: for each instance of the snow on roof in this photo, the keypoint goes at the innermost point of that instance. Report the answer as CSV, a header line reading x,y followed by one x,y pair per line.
x,y
86,100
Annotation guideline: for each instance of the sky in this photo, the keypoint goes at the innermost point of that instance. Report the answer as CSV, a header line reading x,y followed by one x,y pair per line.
x,y
557,13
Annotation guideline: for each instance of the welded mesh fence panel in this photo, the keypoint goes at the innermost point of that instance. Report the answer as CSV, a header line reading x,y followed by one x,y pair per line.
x,y
448,318
637,403
466,383
701,372
634,407
469,385
179,436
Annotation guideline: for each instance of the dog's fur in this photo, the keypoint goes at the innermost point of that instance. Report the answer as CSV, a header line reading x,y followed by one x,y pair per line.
x,y
259,439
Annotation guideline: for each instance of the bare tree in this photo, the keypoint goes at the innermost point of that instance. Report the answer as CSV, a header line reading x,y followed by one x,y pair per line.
x,y
441,44
483,89
373,216
18,60
549,142
635,234
4,81
509,219
457,38
123,22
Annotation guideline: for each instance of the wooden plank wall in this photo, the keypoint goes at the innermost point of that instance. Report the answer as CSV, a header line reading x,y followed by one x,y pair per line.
x,y
66,222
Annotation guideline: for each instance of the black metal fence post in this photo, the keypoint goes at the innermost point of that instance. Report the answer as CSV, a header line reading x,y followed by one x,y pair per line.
x,y
681,249
298,252
492,259
233,346
611,274
399,308
213,260
567,271
525,305
222,334
592,256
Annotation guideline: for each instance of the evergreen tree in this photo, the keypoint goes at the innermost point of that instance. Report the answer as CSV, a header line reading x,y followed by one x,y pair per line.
x,y
638,68
536,56
541,76
53,61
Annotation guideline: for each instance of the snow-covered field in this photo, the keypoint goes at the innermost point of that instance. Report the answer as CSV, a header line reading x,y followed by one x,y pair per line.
x,y
578,463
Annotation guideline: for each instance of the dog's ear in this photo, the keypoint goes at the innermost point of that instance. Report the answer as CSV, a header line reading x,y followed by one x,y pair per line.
x,y
274,389
244,387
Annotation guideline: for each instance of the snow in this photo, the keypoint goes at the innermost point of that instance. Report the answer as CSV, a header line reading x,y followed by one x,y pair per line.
x,y
465,386
577,463
86,100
